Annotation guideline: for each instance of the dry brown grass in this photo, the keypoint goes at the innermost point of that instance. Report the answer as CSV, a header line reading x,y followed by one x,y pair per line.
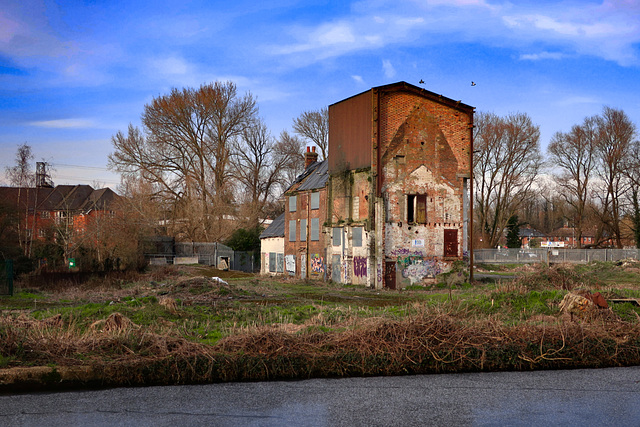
x,y
336,340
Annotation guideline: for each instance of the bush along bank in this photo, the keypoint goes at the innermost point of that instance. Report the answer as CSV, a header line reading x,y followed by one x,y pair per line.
x,y
421,344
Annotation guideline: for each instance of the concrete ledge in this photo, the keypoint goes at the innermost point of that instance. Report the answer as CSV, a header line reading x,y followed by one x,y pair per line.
x,y
184,260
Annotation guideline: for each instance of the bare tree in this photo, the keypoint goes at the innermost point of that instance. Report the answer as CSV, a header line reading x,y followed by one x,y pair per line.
x,y
313,126
290,150
186,151
616,133
632,172
507,163
21,174
575,153
255,168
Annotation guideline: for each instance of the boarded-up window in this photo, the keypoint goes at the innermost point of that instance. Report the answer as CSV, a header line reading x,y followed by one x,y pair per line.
x,y
303,230
272,261
417,208
315,229
356,207
280,263
293,203
356,238
315,200
337,234
292,230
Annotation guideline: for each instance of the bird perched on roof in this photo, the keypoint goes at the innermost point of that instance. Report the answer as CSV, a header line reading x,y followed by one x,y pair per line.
x,y
421,82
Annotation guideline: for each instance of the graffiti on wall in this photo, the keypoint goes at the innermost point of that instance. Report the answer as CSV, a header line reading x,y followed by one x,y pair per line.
x,y
290,264
317,265
360,266
335,268
404,252
345,271
406,261
417,268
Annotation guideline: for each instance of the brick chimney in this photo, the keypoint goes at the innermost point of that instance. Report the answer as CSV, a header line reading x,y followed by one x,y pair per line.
x,y
310,157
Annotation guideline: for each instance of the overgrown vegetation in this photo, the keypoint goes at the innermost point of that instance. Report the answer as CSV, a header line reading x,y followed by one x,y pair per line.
x,y
170,325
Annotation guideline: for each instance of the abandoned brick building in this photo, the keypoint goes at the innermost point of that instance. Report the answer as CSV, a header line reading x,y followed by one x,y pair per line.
x,y
389,206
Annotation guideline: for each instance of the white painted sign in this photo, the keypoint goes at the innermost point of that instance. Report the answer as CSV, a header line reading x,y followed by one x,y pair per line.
x,y
290,264
552,244
418,242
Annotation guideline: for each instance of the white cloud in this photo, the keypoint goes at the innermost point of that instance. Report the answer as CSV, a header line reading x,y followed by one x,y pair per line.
x,y
457,3
8,28
541,56
610,30
346,36
358,79
64,123
389,71
577,100
170,65
335,34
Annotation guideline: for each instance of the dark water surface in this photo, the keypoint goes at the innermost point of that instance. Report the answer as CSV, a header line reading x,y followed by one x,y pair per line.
x,y
601,397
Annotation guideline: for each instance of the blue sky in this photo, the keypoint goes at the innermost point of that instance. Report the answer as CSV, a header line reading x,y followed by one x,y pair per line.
x,y
73,73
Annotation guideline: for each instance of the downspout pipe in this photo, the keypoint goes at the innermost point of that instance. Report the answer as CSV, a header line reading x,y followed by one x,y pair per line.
x,y
471,197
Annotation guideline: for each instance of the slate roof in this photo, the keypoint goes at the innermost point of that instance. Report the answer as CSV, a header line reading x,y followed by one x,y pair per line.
x,y
314,177
530,232
63,197
275,229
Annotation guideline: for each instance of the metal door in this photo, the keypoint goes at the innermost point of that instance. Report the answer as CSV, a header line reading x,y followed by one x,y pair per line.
x,y
451,243
390,274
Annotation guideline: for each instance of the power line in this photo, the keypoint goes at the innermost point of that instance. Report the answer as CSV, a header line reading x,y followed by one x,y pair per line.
x,y
79,166
59,177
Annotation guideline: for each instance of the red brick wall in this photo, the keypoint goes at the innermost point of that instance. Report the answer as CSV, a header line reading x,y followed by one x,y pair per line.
x,y
395,108
303,212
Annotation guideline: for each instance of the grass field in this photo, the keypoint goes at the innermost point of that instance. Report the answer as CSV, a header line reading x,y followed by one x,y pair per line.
x,y
180,325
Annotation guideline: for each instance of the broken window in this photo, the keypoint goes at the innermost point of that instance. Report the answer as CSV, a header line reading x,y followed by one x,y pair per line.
x,y
417,208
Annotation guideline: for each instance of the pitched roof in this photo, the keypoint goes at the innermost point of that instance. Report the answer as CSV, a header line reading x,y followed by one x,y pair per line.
x,y
62,197
317,178
530,232
275,229
404,86
314,176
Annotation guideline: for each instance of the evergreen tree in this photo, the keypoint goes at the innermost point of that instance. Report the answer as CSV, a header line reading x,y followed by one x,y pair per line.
x,y
513,232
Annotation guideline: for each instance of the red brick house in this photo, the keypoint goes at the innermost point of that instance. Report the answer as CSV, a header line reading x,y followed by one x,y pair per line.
x,y
566,237
46,213
305,217
399,169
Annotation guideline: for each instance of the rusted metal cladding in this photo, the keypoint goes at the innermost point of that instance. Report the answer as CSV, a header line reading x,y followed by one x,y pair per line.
x,y
350,124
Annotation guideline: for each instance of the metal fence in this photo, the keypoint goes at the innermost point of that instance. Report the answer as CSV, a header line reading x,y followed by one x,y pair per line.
x,y
6,277
215,254
551,255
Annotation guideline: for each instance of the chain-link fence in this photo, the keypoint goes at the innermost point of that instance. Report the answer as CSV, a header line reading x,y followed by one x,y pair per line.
x,y
551,255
